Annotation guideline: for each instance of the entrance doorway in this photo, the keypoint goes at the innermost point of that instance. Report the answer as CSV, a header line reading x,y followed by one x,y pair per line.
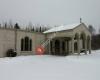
x,y
57,47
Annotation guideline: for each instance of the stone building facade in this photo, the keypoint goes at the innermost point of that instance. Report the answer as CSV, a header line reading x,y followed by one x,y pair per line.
x,y
64,41
23,42
69,39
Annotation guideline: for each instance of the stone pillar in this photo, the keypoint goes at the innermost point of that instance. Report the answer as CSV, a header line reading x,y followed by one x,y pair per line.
x,y
49,48
29,45
78,42
72,44
24,44
66,47
15,39
85,45
53,46
90,46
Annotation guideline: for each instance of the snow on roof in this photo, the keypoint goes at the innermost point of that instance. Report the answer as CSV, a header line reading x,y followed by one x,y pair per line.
x,y
62,28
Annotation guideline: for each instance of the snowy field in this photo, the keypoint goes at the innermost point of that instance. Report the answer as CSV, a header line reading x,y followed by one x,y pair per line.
x,y
83,67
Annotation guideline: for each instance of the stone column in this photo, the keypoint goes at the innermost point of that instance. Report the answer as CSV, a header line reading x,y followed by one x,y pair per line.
x,y
90,46
53,46
85,45
23,44
29,45
72,44
78,41
66,47
49,48
15,39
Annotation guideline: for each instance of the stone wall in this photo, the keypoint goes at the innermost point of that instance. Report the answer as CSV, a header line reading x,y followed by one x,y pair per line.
x,y
7,41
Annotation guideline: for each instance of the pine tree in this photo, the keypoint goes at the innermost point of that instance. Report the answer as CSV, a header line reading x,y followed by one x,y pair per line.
x,y
40,29
16,26
5,24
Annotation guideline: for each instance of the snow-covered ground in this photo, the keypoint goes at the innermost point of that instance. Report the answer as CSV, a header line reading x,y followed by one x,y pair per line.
x,y
83,67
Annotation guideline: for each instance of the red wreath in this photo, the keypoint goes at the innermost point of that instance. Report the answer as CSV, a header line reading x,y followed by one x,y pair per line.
x,y
40,50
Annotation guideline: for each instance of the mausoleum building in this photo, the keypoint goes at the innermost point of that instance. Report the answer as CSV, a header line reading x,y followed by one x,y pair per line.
x,y
61,40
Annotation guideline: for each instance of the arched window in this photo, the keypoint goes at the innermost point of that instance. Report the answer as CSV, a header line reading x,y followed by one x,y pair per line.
x,y
22,43
76,36
30,45
26,44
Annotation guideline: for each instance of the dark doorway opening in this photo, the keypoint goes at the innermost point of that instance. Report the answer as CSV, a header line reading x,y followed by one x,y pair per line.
x,y
57,47
75,47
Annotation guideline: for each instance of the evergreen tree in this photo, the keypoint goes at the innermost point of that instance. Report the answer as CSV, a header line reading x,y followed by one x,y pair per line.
x,y
37,29
33,29
10,24
40,29
99,30
16,26
0,25
5,24
91,29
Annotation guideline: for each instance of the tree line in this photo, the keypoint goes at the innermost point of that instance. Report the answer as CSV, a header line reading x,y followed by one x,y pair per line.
x,y
30,27
95,42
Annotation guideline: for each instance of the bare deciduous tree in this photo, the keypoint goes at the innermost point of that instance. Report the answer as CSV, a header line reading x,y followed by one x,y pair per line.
x,y
30,25
91,29
99,30
10,24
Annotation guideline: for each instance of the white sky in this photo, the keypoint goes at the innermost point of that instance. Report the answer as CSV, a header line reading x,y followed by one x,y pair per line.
x,y
52,12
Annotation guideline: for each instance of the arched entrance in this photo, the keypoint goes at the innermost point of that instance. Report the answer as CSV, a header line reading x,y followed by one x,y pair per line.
x,y
57,47
75,47
63,48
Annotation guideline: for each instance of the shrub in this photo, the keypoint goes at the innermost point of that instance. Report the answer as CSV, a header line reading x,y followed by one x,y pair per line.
x,y
11,53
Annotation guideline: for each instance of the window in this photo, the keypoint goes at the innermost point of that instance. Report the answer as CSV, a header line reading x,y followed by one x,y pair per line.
x,y
30,45
76,36
26,44
22,42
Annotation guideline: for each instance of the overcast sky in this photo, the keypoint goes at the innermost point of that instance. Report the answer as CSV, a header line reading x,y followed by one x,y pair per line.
x,y
52,12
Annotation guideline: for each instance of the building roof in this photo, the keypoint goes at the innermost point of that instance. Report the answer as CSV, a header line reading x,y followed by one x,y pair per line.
x,y
62,28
